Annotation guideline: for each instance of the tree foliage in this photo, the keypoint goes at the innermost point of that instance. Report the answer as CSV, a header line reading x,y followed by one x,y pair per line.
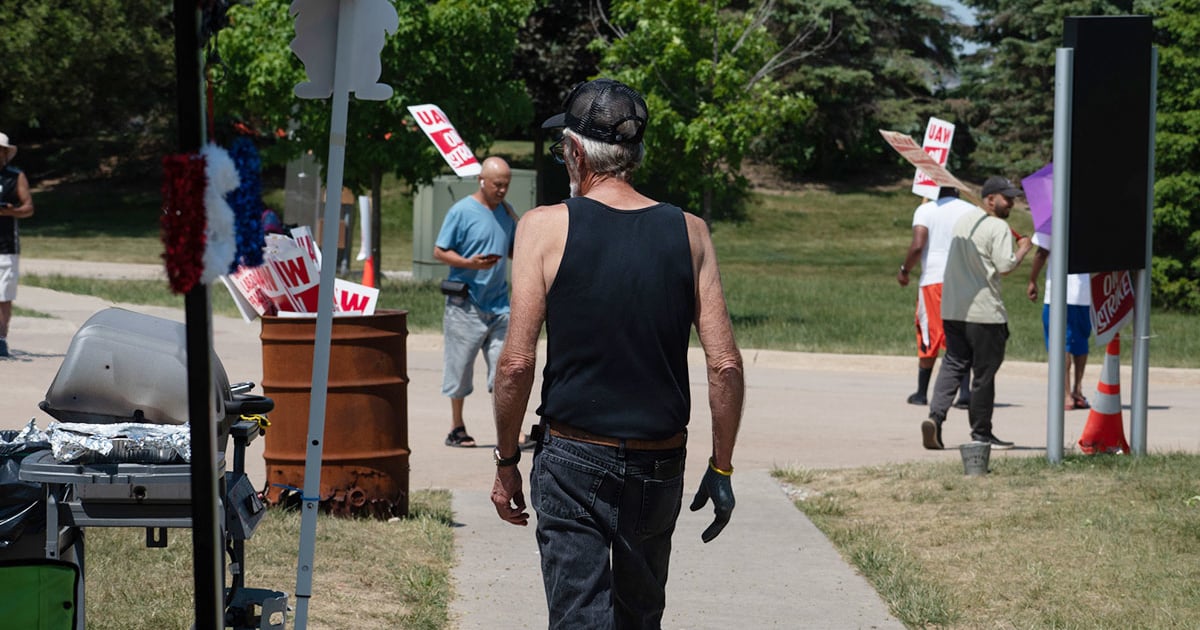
x,y
452,53
885,65
1176,272
83,67
1010,79
704,69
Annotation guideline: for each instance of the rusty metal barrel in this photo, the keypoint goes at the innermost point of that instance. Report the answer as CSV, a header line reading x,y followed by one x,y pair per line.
x,y
364,463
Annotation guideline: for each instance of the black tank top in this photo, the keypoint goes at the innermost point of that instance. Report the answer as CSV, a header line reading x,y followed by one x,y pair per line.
x,y
618,321
10,242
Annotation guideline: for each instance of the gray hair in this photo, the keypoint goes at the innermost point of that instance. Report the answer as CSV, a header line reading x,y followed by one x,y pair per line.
x,y
614,160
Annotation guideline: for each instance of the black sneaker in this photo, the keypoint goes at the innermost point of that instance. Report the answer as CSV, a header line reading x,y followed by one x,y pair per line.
x,y
962,403
997,443
918,399
931,434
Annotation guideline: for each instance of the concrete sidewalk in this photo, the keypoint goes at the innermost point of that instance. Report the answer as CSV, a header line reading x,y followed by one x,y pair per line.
x,y
770,568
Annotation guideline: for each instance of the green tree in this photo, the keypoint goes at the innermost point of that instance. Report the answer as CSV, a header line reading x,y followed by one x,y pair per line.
x,y
83,67
1010,79
453,53
885,65
1176,271
553,52
706,70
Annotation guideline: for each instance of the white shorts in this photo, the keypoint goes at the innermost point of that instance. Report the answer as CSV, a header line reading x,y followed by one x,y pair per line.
x,y
10,270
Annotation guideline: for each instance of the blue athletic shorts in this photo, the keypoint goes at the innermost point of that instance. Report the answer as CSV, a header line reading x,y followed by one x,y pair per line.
x,y
1079,328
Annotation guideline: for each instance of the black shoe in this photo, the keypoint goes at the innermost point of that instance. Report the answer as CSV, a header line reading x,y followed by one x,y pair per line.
x,y
931,434
962,403
997,443
918,399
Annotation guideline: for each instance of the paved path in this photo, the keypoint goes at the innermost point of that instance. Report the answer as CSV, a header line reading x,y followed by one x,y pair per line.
x,y
770,568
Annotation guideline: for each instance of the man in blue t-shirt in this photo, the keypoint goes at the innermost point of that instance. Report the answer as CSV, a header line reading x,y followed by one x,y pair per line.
x,y
475,240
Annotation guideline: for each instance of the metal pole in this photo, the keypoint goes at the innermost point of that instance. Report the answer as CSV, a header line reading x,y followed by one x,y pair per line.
x,y
1141,300
207,551
324,332
1059,241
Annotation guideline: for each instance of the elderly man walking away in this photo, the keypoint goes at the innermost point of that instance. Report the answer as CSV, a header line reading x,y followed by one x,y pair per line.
x,y
973,312
619,280
15,203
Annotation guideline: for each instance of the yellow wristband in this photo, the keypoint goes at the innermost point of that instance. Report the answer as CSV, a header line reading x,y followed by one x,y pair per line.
x,y
713,466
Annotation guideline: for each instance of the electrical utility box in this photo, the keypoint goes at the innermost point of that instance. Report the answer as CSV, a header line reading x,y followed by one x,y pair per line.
x,y
431,204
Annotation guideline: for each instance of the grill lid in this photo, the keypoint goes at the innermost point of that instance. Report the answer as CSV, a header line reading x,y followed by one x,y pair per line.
x,y
123,366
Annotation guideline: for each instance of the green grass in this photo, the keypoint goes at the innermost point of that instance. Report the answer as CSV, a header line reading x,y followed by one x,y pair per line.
x,y
1098,542
369,574
811,270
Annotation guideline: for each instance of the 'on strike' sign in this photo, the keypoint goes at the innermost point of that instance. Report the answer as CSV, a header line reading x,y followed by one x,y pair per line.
x,y
436,125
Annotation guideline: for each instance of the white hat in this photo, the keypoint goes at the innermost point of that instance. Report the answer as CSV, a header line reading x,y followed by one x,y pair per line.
x,y
11,149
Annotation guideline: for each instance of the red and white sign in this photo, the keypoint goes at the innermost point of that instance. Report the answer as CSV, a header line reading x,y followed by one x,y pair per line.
x,y
350,298
287,284
938,134
304,239
909,150
1112,304
436,125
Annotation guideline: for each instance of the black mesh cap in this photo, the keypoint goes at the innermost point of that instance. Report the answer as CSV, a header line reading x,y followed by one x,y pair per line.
x,y
604,110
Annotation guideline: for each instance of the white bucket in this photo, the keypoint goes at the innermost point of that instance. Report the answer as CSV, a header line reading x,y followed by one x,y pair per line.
x,y
975,456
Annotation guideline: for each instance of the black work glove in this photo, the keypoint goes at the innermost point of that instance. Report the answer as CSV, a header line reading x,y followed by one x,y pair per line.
x,y
719,488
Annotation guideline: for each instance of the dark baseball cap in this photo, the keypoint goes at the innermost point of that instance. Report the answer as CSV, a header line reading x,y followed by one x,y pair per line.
x,y
605,110
1002,186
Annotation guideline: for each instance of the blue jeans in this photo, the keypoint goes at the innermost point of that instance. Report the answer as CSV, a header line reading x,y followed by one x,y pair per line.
x,y
605,519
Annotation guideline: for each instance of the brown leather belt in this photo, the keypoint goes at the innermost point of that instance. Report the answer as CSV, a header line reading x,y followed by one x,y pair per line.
x,y
679,440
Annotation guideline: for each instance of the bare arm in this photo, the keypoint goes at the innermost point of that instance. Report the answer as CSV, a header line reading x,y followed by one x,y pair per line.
x,y
1039,261
25,208
534,244
454,259
920,238
726,381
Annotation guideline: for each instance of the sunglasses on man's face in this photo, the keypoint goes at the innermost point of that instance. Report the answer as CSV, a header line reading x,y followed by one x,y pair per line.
x,y
556,151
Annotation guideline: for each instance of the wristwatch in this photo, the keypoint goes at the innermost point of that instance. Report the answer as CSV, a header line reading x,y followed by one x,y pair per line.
x,y
903,269
505,461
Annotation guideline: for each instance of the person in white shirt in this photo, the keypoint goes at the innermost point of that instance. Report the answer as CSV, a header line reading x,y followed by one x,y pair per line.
x,y
932,226
1079,319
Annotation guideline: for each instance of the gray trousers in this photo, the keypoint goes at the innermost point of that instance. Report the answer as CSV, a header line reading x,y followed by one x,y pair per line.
x,y
977,349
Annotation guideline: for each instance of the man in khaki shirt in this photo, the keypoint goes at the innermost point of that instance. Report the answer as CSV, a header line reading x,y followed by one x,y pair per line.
x,y
973,314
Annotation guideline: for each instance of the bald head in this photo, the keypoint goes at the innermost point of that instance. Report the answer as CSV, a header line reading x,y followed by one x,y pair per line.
x,y
493,181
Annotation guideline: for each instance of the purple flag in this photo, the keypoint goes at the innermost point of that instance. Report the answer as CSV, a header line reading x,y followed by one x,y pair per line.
x,y
1039,191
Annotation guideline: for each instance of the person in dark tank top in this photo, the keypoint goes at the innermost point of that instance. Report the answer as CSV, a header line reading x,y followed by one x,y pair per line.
x,y
15,203
619,280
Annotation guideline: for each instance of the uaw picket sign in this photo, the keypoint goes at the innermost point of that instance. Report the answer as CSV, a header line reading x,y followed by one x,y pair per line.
x,y
911,151
436,125
938,135
1112,304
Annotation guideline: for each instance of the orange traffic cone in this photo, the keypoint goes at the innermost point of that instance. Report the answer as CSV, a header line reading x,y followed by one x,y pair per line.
x,y
1104,431
368,278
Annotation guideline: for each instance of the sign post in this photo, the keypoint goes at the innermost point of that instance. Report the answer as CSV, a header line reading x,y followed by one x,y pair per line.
x,y
350,34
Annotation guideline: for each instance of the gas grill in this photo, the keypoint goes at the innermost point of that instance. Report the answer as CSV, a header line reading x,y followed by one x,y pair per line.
x,y
127,367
